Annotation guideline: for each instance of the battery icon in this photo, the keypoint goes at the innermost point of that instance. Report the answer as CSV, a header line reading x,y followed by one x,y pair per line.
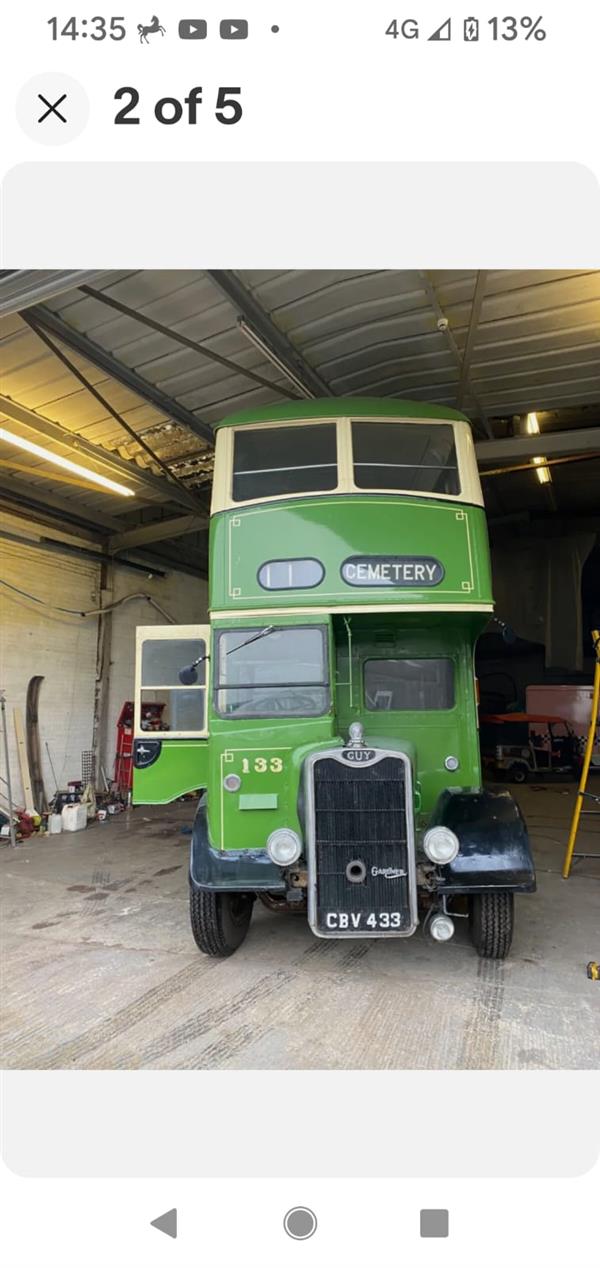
x,y
471,30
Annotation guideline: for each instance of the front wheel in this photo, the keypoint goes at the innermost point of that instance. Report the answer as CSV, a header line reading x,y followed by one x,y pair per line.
x,y
491,923
220,921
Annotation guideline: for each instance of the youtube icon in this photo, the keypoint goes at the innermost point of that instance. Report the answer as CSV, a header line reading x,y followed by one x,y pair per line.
x,y
193,29
234,29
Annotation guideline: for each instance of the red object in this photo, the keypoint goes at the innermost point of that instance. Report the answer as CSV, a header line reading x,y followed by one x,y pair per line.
x,y
151,715
25,826
520,717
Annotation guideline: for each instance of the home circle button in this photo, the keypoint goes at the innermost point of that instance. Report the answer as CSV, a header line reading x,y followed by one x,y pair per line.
x,y
300,1223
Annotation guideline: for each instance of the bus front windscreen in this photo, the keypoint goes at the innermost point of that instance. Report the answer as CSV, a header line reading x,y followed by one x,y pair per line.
x,y
281,671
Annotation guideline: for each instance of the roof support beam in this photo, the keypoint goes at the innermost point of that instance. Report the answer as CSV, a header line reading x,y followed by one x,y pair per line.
x,y
103,360
443,326
56,514
78,446
247,306
515,448
102,400
160,531
178,337
20,288
478,297
55,547
16,492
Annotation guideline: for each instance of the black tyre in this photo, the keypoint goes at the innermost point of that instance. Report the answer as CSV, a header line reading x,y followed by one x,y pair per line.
x,y
519,773
219,922
491,923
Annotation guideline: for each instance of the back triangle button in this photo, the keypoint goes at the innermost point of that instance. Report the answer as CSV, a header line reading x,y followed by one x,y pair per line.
x,y
166,1223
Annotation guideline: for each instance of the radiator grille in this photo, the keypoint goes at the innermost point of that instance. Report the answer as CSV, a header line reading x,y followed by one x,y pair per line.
x,y
360,815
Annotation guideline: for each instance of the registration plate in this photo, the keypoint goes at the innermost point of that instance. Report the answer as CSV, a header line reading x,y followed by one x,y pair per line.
x,y
362,921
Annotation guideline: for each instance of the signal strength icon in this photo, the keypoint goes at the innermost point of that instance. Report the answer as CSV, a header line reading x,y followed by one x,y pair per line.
x,y
444,32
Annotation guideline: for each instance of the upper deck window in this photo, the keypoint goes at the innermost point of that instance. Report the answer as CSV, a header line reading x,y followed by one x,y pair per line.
x,y
418,457
277,461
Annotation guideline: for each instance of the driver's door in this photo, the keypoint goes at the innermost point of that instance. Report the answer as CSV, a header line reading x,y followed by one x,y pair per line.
x,y
170,716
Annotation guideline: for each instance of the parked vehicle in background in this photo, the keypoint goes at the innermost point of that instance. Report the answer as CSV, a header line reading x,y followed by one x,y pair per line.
x,y
573,703
522,746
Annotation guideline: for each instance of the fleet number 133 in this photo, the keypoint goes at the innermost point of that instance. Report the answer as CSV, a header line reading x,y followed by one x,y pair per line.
x,y
261,765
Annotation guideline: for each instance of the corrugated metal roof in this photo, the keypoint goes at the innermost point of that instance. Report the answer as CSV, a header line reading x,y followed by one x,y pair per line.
x,y
536,347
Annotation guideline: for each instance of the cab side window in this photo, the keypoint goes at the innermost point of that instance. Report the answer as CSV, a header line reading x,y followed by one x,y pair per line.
x,y
409,684
180,709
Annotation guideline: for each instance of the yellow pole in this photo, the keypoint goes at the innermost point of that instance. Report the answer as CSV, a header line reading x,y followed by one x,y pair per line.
x,y
586,761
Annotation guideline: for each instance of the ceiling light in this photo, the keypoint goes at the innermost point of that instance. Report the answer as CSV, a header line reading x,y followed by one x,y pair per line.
x,y
253,337
542,470
59,461
532,425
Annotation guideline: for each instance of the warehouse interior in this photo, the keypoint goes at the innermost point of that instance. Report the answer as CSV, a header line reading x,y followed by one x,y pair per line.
x,y
110,385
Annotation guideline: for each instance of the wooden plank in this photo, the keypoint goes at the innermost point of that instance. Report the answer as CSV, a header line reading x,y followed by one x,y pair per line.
x,y
23,762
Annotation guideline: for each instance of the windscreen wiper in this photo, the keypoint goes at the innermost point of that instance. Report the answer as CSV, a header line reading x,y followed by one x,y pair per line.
x,y
188,675
255,637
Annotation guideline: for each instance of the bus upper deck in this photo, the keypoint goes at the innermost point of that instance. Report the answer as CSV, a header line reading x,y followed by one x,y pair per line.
x,y
347,503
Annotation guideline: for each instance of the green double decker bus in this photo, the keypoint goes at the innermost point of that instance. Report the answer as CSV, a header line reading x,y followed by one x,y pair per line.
x,y
328,713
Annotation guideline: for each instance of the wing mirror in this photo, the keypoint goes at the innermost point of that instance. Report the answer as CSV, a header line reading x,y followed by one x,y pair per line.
x,y
188,675
508,634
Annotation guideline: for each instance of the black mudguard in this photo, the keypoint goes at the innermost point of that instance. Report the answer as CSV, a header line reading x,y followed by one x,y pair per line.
x,y
494,844
236,871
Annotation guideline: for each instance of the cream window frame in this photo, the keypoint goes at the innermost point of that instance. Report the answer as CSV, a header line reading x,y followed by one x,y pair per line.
x,y
470,484
222,497
168,633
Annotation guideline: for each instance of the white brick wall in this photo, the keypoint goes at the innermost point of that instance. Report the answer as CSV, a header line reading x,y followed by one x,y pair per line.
x,y
36,640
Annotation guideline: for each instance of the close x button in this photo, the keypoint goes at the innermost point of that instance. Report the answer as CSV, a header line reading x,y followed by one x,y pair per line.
x,y
53,108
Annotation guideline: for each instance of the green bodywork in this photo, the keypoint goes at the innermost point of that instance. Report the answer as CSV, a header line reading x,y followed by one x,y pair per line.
x,y
268,754
181,768
333,529
341,407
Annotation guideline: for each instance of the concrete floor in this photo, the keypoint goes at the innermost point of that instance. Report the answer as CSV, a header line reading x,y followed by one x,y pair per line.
x,y
100,970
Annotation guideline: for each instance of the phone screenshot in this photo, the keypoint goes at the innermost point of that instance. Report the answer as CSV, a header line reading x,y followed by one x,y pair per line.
x,y
300,634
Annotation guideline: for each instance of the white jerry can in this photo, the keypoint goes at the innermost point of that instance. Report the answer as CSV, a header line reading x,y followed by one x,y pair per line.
x,y
74,817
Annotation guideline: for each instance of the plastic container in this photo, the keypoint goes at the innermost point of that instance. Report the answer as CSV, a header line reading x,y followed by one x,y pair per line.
x,y
55,824
74,817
